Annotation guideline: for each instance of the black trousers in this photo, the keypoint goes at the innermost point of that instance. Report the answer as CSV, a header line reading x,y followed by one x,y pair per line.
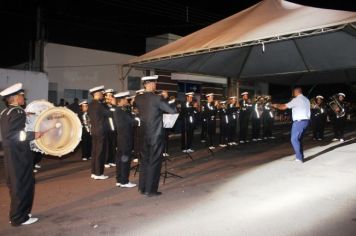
x,y
151,164
18,163
86,144
110,155
123,164
211,130
256,128
99,144
339,127
187,133
244,120
224,133
232,131
267,127
318,126
204,130
37,157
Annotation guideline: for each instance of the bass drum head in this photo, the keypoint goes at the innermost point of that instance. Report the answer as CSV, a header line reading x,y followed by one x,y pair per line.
x,y
38,106
63,131
33,110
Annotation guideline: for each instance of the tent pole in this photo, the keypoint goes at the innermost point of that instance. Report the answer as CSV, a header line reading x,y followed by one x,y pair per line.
x,y
231,86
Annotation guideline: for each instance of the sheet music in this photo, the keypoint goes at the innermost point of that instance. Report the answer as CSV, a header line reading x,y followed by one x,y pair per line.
x,y
169,120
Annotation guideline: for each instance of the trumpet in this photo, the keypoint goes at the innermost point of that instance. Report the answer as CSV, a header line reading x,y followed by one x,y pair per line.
x,y
337,108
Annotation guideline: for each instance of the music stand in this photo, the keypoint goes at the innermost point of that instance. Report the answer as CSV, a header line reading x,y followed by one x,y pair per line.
x,y
168,122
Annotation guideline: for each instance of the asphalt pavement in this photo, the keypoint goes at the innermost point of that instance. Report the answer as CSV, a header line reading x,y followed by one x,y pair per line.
x,y
252,189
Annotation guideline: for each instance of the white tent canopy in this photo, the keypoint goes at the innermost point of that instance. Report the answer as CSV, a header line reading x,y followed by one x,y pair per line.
x,y
273,37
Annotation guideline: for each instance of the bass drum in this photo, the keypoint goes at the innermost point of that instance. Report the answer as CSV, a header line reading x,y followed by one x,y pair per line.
x,y
33,110
63,131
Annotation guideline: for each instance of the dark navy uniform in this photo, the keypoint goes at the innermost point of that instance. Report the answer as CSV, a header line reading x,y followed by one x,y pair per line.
x,y
187,115
86,135
267,120
99,117
339,120
318,120
110,155
232,111
204,124
209,112
124,123
151,107
18,162
224,125
256,117
245,113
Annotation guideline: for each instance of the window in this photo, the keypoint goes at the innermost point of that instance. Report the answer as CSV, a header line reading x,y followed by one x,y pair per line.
x,y
70,94
133,83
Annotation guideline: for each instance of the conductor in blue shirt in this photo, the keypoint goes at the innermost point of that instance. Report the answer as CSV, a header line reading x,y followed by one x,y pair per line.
x,y
300,106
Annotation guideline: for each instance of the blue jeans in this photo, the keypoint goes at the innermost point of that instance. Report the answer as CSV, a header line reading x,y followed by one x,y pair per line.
x,y
298,130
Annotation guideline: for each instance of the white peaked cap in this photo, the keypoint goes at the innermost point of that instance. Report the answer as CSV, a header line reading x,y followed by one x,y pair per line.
x,y
122,94
12,90
83,102
189,94
140,91
244,93
341,94
148,78
109,90
209,94
319,96
96,89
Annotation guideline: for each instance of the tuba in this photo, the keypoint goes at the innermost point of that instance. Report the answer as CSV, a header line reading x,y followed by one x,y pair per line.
x,y
337,108
62,128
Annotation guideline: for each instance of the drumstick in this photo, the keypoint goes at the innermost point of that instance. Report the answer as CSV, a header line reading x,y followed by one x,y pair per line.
x,y
56,126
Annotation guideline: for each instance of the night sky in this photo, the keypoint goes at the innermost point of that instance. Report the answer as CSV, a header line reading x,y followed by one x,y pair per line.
x,y
112,25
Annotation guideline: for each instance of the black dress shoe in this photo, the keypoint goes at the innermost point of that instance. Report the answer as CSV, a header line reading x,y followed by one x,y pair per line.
x,y
153,194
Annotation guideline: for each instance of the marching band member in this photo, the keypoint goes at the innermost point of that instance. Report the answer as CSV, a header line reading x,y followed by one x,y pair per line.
x,y
339,117
165,98
257,110
151,107
267,118
245,113
99,117
318,117
86,131
111,144
204,123
18,159
209,111
224,124
232,111
124,122
187,115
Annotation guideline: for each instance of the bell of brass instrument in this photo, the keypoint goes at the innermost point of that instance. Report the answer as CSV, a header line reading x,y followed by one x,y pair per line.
x,y
313,103
336,106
